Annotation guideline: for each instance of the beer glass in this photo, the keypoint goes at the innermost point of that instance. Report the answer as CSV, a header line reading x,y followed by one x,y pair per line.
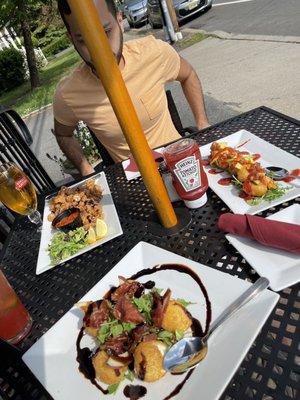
x,y
15,322
18,193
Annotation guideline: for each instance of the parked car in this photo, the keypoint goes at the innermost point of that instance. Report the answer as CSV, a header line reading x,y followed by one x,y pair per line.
x,y
183,9
136,12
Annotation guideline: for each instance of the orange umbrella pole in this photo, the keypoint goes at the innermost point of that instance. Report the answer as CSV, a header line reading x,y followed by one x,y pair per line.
x,y
108,71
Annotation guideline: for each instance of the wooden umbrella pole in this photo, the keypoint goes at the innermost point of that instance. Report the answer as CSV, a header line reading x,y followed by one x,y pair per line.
x,y
108,71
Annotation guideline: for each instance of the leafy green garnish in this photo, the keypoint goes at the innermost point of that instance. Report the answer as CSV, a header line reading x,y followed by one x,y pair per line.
x,y
184,303
129,375
113,328
128,326
64,245
166,337
103,333
144,305
112,389
271,195
236,182
157,290
116,330
179,335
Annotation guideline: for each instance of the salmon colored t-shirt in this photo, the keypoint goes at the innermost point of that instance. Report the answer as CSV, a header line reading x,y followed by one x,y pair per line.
x,y
149,64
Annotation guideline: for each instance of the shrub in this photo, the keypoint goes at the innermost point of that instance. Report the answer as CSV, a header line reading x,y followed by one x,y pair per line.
x,y
56,46
50,36
12,69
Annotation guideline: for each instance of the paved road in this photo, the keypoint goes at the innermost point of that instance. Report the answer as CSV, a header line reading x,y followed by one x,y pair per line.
x,y
40,125
238,75
257,17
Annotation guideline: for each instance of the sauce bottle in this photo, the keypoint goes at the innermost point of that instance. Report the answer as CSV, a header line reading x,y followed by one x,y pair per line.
x,y
183,159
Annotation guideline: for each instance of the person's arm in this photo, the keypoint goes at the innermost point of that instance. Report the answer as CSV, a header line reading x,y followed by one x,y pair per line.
x,y
71,147
192,89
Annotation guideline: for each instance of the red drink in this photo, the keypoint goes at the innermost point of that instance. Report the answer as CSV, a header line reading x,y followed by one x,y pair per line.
x,y
183,159
15,322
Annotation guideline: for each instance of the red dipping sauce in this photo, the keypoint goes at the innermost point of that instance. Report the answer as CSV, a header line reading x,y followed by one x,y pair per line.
x,y
183,159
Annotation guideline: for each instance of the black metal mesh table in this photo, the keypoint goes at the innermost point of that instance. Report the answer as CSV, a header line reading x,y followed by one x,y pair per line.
x,y
271,369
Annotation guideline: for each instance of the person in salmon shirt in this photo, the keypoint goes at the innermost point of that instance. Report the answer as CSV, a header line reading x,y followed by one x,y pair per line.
x,y
146,64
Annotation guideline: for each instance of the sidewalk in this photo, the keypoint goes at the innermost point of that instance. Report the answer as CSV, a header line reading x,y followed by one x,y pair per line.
x,y
246,73
237,74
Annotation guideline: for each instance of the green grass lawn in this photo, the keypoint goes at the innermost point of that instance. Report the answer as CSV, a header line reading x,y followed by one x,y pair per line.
x,y
190,39
23,100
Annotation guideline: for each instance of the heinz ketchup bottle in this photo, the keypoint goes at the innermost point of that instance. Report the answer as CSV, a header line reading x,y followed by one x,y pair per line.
x,y
183,159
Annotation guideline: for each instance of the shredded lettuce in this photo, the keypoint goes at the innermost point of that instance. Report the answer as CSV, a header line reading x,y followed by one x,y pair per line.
x,y
64,245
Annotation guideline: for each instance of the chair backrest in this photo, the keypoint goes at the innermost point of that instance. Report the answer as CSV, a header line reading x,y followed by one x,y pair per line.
x,y
6,221
107,159
13,148
174,113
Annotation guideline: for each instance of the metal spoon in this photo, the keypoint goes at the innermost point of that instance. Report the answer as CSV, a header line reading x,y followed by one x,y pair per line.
x,y
278,173
189,351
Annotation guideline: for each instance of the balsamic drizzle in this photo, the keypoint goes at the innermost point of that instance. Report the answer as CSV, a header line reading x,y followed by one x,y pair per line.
x,y
135,392
84,358
185,270
180,385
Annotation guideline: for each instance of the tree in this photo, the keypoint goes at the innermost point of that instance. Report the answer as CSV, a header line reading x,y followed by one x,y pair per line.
x,y
19,14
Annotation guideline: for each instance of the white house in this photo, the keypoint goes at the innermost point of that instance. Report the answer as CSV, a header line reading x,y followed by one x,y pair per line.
x,y
9,38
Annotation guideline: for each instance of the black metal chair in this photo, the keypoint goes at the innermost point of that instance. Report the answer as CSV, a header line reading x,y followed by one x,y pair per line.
x,y
6,221
107,159
183,131
15,118
14,148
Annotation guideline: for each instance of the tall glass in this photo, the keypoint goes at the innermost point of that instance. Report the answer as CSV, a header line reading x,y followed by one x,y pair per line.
x,y
18,193
15,321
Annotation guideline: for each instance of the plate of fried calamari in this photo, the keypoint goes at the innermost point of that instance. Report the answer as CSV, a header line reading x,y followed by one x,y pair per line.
x,y
113,341
235,167
77,219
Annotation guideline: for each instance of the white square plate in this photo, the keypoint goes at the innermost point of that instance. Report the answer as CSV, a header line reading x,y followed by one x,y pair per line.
x,y
270,155
280,267
110,217
52,359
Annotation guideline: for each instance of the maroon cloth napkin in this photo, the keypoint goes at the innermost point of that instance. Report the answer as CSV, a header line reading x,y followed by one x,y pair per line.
x,y
281,235
132,167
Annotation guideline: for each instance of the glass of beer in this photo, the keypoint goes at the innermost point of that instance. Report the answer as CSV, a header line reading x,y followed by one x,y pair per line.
x,y
18,193
15,321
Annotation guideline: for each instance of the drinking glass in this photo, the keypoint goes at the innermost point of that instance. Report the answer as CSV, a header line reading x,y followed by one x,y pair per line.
x,y
15,321
18,193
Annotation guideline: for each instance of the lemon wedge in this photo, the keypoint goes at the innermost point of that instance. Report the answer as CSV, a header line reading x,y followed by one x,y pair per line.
x,y
91,237
101,228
